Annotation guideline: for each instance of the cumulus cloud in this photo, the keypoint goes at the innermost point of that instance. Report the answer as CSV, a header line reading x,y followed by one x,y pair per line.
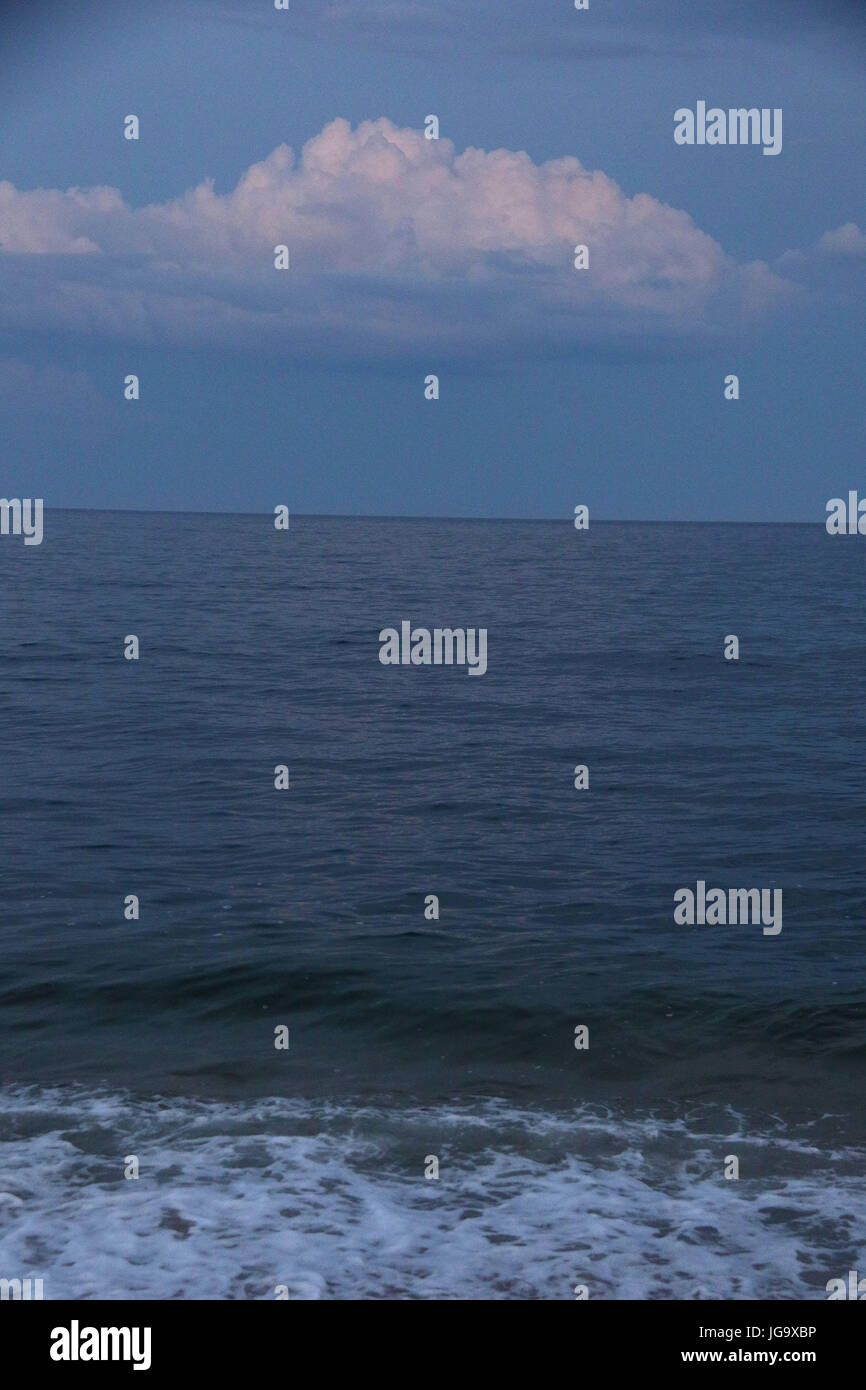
x,y
830,272
844,241
396,242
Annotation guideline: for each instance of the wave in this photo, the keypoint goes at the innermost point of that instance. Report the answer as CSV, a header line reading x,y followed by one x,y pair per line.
x,y
239,1200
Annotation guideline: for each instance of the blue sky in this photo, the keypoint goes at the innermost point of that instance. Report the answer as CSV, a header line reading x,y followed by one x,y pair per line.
x,y
412,257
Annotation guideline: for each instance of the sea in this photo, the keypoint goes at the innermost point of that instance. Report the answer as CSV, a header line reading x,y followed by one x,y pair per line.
x,y
546,1088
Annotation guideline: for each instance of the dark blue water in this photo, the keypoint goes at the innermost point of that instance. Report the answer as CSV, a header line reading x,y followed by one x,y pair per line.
x,y
305,908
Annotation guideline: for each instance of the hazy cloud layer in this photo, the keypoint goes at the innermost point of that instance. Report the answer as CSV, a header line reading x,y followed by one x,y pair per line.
x,y
553,29
47,390
397,244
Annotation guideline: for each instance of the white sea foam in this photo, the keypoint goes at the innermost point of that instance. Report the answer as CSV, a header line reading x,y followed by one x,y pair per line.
x,y
331,1201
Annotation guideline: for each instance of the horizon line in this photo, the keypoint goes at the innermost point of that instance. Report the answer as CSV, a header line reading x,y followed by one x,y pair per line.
x,y
413,516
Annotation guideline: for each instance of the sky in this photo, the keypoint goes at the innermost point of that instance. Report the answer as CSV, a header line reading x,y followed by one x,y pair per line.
x,y
411,257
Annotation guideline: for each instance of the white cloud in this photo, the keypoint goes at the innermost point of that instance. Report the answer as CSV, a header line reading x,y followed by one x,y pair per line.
x,y
830,269
844,241
396,242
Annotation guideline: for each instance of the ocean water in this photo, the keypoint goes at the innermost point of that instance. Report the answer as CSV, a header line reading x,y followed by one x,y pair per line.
x,y
304,1168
